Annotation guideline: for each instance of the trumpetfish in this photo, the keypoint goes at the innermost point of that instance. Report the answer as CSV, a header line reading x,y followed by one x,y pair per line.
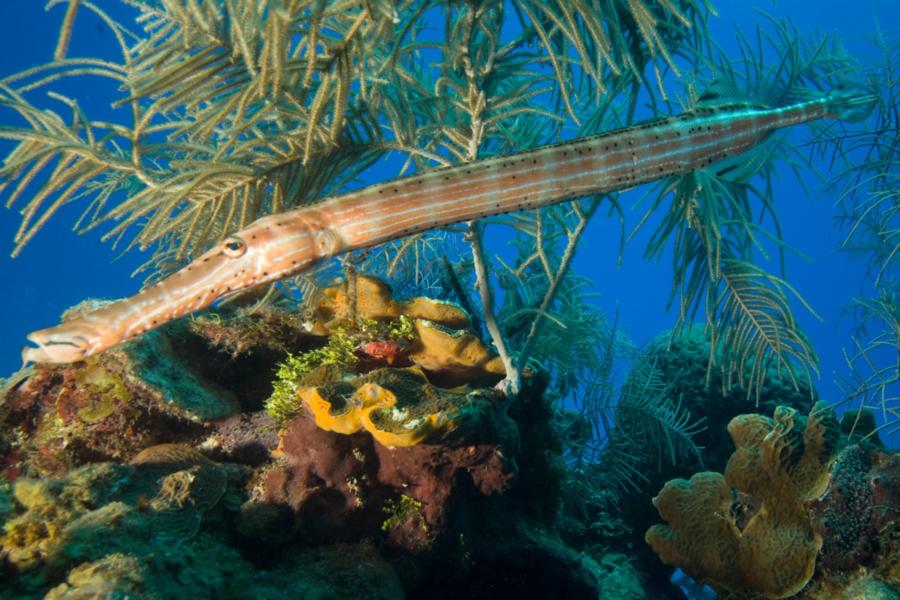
x,y
281,245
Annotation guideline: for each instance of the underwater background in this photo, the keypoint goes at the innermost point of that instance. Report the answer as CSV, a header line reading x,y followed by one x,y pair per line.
x,y
229,469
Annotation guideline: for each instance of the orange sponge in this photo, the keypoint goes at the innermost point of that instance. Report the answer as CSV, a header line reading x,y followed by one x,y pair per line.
x,y
374,408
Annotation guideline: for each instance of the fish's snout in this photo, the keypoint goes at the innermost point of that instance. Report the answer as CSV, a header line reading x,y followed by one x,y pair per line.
x,y
54,347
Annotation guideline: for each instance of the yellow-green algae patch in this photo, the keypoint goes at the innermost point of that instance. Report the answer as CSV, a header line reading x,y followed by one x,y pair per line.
x,y
106,391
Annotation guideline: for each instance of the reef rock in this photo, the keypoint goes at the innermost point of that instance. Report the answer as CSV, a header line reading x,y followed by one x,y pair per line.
x,y
858,518
107,516
59,418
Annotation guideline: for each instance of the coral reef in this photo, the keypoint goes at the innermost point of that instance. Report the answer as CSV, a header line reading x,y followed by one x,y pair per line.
x,y
453,357
680,363
119,513
99,410
859,519
127,531
385,454
172,385
376,334
361,297
252,330
403,473
440,344
341,471
783,462
376,409
382,467
791,516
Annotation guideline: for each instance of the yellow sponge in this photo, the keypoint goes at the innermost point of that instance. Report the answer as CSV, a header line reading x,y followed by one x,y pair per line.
x,y
373,408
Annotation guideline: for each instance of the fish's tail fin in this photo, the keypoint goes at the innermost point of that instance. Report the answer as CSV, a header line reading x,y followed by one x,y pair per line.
x,y
851,103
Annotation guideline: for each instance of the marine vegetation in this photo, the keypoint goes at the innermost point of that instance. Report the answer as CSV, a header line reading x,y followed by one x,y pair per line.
x,y
253,107
340,351
369,402
869,215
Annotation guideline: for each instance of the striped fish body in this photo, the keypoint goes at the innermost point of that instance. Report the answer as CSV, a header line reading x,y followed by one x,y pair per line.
x,y
285,244
608,162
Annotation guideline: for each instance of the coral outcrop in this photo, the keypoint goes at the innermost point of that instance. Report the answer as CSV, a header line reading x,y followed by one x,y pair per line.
x,y
440,344
858,519
680,362
780,464
349,468
361,297
106,517
99,410
384,469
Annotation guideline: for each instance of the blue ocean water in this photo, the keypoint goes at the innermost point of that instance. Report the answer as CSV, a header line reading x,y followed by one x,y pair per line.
x,y
58,268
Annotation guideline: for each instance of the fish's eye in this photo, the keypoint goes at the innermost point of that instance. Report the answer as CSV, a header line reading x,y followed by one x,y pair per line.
x,y
234,247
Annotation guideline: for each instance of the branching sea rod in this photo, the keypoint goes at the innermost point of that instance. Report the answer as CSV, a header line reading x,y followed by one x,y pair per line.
x,y
285,244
